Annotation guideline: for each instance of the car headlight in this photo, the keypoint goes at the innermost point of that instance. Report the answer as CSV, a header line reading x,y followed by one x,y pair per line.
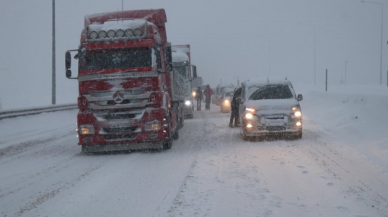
x,y
248,116
250,109
152,125
298,114
188,103
86,129
226,101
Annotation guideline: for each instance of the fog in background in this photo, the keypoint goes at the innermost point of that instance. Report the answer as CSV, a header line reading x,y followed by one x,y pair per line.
x,y
249,38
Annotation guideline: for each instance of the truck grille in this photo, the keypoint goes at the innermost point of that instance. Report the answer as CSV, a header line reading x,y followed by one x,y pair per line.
x,y
111,116
120,130
119,137
118,114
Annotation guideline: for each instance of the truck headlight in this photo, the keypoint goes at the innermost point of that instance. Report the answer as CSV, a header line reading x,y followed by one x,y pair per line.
x,y
152,125
298,114
248,116
188,103
86,129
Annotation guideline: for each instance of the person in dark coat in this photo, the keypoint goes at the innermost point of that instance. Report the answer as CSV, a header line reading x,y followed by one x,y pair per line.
x,y
208,92
234,114
199,98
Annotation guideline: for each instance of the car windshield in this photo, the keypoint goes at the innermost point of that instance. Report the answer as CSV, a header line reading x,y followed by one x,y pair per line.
x,y
116,59
271,92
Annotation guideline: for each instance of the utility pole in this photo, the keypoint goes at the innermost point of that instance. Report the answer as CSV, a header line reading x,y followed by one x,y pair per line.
x,y
53,100
345,70
381,43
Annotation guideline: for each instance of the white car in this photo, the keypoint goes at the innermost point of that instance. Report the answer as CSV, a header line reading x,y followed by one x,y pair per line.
x,y
270,107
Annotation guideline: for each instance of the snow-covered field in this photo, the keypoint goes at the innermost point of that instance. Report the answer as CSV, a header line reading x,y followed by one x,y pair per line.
x,y
338,168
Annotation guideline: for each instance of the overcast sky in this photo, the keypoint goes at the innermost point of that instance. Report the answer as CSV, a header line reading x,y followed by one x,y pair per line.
x,y
228,38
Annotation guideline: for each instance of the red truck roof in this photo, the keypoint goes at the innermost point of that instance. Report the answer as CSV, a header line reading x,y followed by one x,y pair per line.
x,y
155,16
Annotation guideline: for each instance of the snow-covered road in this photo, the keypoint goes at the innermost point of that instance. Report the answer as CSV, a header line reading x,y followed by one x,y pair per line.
x,y
338,168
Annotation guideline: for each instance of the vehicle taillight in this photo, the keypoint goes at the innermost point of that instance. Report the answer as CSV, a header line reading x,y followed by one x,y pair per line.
x,y
82,103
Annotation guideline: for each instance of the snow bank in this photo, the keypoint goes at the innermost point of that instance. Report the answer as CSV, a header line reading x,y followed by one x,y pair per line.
x,y
355,113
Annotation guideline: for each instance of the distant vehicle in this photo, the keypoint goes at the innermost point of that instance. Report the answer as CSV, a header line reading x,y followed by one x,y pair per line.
x,y
226,100
182,77
219,92
270,107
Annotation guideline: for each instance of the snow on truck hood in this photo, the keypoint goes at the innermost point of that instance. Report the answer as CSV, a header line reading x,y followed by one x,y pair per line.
x,y
271,104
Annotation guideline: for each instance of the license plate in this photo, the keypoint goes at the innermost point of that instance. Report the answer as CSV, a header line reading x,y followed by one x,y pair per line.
x,y
118,125
279,122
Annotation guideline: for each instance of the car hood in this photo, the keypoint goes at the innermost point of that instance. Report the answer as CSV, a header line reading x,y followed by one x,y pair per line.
x,y
272,105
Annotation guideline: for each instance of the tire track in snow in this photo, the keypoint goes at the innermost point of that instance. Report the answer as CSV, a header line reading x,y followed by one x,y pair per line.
x,y
43,197
337,166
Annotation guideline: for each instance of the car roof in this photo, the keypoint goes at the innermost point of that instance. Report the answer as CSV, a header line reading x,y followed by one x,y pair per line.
x,y
264,81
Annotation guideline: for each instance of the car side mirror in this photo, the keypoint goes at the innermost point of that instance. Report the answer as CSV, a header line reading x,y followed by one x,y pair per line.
x,y
300,97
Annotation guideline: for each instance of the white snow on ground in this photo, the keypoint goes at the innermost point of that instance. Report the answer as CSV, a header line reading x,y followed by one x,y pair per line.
x,y
338,168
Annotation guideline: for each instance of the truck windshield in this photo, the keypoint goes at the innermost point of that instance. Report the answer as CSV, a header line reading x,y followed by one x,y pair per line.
x,y
271,92
116,59
181,70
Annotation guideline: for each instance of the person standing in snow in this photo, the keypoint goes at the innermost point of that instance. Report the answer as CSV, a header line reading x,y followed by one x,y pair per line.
x,y
199,97
234,116
208,92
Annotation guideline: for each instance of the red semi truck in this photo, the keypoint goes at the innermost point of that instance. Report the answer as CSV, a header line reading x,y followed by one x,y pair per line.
x,y
126,89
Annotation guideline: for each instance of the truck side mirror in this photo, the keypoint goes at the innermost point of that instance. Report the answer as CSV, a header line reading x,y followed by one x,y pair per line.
x,y
68,73
194,71
68,63
300,97
67,60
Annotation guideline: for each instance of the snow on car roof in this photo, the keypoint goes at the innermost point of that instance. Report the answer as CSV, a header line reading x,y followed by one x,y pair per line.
x,y
264,81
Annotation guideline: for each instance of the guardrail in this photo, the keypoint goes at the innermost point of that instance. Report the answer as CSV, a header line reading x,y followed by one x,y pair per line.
x,y
34,111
